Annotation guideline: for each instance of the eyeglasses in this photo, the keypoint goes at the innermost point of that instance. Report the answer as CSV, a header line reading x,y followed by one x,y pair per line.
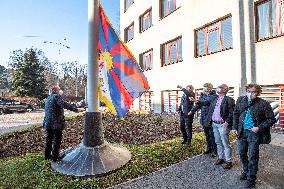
x,y
251,91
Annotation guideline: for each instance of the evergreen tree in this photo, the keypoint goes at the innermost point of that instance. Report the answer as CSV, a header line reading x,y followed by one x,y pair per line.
x,y
3,77
29,79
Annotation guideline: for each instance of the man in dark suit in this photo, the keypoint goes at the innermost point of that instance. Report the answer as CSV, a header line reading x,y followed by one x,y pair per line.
x,y
253,118
207,94
185,119
220,117
54,122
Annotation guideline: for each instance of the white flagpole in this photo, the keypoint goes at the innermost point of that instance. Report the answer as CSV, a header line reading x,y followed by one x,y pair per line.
x,y
92,73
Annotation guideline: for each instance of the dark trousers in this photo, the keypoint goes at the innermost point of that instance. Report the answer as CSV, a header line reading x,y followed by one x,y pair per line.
x,y
53,139
186,127
210,140
248,146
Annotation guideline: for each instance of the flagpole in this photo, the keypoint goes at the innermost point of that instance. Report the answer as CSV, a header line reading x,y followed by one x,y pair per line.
x,y
93,129
95,156
92,72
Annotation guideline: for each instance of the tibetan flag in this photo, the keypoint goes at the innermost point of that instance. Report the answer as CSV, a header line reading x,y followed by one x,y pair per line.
x,y
121,80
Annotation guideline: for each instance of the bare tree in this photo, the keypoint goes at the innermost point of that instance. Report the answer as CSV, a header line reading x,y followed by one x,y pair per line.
x,y
73,79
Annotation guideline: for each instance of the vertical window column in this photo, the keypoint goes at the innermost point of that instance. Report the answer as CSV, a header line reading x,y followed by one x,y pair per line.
x,y
214,37
172,51
146,20
129,32
146,60
269,19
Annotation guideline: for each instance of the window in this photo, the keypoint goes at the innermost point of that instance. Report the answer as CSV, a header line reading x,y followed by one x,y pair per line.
x,y
171,52
146,60
127,4
269,19
168,6
146,20
214,37
145,101
171,100
129,33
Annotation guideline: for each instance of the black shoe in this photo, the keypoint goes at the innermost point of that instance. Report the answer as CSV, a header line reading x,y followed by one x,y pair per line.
x,y
243,176
250,184
228,165
54,159
206,152
47,158
213,155
219,162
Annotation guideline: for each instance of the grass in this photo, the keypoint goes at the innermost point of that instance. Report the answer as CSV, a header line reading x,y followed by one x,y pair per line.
x,y
32,171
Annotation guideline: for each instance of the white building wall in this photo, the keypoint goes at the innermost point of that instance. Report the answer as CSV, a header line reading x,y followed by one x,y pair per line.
x,y
270,61
221,67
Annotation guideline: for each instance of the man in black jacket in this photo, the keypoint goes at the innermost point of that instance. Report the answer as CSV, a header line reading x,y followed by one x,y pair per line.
x,y
206,94
54,122
185,119
253,118
220,117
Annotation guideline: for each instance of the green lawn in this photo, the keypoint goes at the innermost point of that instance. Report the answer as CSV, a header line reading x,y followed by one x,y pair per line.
x,y
32,171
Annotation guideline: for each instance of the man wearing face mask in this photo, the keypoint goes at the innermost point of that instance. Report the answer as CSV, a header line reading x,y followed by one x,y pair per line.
x,y
253,118
220,117
206,95
54,122
185,119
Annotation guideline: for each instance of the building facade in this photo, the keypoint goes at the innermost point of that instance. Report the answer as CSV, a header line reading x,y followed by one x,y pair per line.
x,y
193,42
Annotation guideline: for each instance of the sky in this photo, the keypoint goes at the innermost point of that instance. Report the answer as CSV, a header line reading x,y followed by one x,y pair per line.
x,y
28,23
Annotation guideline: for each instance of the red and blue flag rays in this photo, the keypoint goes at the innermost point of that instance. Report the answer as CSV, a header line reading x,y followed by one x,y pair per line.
x,y
125,79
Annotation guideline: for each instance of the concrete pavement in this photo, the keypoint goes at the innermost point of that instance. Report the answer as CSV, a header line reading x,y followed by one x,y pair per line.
x,y
200,173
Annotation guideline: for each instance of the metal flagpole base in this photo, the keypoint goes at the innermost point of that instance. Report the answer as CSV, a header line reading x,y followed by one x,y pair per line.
x,y
94,156
91,161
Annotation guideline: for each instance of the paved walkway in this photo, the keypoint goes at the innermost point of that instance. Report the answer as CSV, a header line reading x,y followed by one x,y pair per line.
x,y
12,122
200,173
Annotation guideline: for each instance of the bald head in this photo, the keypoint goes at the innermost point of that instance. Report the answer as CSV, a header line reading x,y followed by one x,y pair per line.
x,y
222,89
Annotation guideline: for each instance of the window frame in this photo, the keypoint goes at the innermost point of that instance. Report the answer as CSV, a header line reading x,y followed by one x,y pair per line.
x,y
161,9
141,59
146,101
162,52
207,25
151,19
126,37
256,4
126,8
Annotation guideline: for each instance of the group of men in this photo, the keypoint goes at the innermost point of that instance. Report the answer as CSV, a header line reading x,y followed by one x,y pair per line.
x,y
250,119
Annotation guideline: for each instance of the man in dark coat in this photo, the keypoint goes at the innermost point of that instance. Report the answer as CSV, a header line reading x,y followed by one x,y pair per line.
x,y
253,118
220,117
207,94
184,108
54,122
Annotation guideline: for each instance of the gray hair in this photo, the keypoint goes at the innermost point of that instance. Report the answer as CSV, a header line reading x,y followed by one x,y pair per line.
x,y
225,87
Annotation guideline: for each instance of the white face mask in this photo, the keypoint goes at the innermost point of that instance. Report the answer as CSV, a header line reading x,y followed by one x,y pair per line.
x,y
218,90
205,89
251,95
60,93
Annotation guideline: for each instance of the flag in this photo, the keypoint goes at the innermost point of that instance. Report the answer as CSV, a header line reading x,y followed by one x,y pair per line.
x,y
121,80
